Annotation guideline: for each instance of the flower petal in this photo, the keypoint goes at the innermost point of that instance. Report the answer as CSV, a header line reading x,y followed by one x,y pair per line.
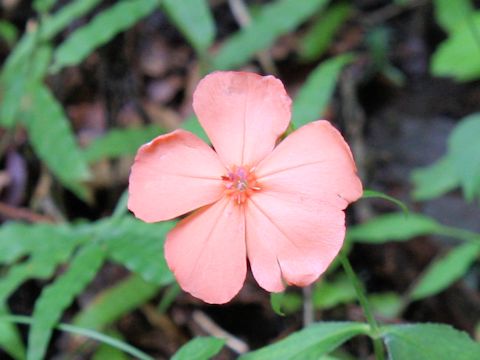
x,y
172,175
292,238
314,162
206,252
243,114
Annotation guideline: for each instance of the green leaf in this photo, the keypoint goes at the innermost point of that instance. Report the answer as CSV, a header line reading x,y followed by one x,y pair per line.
x,y
56,297
43,6
393,227
310,343
46,245
276,300
120,142
429,342
369,194
459,55
52,138
139,247
200,348
114,302
314,96
272,21
64,17
443,272
434,180
10,339
193,125
194,19
118,344
328,294
100,30
319,37
452,14
464,150
105,351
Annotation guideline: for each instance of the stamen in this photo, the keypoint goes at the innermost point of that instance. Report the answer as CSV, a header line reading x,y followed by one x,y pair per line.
x,y
240,183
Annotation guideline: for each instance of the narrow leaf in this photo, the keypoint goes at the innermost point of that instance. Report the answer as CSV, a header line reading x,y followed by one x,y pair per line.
x,y
111,304
101,30
429,342
369,194
56,297
319,37
52,138
199,348
120,142
310,343
393,227
118,344
194,19
272,21
445,271
10,339
139,247
435,180
328,294
314,96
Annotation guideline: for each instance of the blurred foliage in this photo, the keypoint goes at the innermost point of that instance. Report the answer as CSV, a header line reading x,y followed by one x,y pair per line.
x,y
70,255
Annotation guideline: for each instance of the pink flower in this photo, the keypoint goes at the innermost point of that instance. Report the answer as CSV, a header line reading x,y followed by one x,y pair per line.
x,y
281,206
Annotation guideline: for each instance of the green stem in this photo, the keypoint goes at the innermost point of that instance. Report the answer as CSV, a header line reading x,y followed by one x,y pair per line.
x,y
362,298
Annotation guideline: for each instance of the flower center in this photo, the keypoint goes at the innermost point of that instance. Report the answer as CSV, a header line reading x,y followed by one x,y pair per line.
x,y
240,182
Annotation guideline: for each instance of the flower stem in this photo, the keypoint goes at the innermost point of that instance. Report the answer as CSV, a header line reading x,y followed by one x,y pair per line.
x,y
362,298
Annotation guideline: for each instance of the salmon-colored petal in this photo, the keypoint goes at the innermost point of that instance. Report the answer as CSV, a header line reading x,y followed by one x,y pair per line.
x,y
290,238
206,252
172,175
314,162
243,114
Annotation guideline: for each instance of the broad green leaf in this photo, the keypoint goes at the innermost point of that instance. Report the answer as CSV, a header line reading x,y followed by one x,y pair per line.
x,y
116,301
139,247
319,37
310,343
369,194
10,339
56,297
52,138
314,96
435,180
459,55
200,348
429,342
120,142
443,272
193,125
393,227
194,19
43,6
100,30
450,15
328,294
464,150
272,21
